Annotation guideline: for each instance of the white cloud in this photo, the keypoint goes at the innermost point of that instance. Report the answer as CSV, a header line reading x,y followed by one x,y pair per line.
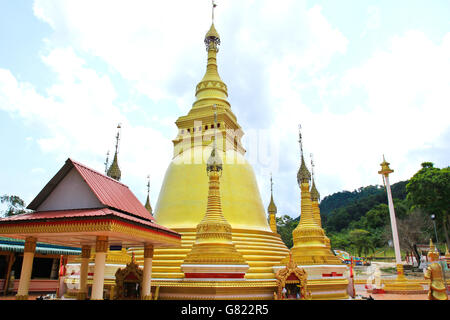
x,y
79,114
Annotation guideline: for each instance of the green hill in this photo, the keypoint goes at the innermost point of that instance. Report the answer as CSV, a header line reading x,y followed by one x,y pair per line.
x,y
342,208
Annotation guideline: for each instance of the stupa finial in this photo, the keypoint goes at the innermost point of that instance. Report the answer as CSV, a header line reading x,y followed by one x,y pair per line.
x,y
147,203
315,196
303,175
114,170
272,207
214,5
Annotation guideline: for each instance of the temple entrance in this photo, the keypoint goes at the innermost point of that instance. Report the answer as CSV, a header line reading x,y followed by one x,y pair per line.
x,y
128,282
292,283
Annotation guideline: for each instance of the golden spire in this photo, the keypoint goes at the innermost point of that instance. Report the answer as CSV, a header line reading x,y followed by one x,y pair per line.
x,y
272,209
211,88
147,203
213,243
114,170
310,243
303,175
315,196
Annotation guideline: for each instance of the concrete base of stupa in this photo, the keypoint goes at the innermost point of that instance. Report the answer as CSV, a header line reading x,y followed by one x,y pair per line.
x,y
326,282
213,289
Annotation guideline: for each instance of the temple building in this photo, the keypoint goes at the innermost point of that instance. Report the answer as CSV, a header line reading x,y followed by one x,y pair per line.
x,y
82,208
46,265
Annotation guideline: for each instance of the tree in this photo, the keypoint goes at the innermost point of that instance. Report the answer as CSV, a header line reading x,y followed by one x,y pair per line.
x,y
429,190
15,205
412,230
285,226
360,239
339,241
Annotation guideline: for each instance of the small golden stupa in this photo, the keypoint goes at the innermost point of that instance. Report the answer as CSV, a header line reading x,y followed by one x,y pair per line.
x,y
310,244
213,254
315,197
327,275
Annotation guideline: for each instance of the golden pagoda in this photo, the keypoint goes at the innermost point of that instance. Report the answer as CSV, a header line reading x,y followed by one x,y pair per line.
x,y
183,195
214,255
272,209
311,248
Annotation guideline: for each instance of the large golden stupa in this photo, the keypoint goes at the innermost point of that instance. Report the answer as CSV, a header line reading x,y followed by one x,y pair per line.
x,y
183,197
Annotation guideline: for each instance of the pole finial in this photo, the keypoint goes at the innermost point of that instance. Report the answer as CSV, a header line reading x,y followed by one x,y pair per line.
x,y
106,162
119,126
271,183
214,5
300,138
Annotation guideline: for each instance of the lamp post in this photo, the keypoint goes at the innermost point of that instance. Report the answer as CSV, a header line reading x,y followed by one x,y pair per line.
x,y
433,217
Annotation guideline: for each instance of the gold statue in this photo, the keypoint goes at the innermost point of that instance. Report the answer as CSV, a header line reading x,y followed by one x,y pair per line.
x,y
434,273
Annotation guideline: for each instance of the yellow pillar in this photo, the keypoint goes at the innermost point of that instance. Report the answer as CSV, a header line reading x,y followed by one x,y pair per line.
x,y
85,255
27,267
147,276
101,247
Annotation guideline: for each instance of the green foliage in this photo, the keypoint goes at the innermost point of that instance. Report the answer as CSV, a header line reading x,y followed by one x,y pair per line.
x,y
429,190
15,205
360,239
351,208
285,226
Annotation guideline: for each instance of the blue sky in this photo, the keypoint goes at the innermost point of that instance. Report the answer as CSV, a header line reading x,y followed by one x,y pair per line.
x,y
364,78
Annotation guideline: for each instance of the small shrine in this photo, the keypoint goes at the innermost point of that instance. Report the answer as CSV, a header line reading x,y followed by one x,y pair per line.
x,y
292,283
128,282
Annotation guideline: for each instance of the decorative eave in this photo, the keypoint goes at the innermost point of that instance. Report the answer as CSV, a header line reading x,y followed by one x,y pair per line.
x,y
82,226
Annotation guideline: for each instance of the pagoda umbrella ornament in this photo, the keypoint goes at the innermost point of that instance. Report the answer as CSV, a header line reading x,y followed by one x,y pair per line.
x,y
401,285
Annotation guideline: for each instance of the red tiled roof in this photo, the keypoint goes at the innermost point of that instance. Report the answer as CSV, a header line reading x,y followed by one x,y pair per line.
x,y
109,192
112,193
